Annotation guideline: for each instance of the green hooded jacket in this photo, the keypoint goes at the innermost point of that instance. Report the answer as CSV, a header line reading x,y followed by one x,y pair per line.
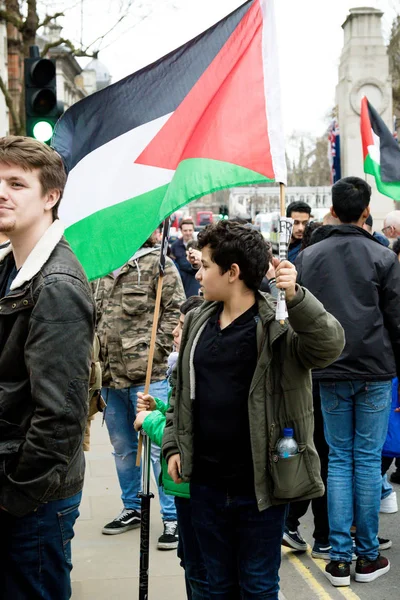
x,y
280,395
153,426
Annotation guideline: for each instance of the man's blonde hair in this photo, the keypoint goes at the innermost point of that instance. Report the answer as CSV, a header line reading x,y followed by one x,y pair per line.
x,y
30,154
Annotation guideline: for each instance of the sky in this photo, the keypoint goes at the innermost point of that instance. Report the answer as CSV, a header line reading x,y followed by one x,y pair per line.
x,y
309,32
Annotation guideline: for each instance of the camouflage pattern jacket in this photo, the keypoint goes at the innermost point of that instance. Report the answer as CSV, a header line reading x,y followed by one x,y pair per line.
x,y
125,308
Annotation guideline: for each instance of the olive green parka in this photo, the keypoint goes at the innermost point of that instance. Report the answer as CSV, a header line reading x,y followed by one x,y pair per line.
x,y
280,395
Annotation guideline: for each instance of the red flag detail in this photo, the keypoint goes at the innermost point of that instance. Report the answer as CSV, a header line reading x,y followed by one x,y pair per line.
x,y
224,115
366,130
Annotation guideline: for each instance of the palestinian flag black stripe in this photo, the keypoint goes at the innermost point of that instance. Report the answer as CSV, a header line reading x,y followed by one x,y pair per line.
x,y
203,118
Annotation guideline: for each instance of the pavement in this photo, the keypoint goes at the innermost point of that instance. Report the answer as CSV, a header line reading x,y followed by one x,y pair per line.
x,y
106,567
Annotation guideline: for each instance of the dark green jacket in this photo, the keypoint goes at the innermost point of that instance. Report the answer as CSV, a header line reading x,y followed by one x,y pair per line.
x,y
280,395
153,426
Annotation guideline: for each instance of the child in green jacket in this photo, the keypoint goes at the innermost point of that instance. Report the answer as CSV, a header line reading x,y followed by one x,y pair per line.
x,y
151,418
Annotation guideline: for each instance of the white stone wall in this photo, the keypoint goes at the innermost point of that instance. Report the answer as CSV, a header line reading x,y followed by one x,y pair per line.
x,y
87,81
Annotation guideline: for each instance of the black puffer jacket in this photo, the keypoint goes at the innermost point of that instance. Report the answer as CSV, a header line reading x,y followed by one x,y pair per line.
x,y
46,336
358,280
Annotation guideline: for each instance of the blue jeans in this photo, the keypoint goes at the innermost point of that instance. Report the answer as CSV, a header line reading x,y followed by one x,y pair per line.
x,y
356,416
35,551
241,546
119,417
387,489
190,554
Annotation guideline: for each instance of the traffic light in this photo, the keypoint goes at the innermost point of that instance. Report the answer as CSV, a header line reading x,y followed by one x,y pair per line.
x,y
41,108
224,211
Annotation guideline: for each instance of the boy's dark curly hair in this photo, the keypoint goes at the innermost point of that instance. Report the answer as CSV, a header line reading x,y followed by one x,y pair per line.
x,y
230,243
308,231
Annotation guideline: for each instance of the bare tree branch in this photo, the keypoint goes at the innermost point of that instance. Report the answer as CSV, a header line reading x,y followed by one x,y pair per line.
x,y
49,18
8,17
143,18
74,51
10,106
101,37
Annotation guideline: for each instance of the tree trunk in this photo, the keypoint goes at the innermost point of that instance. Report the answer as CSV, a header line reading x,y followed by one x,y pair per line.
x,y
15,67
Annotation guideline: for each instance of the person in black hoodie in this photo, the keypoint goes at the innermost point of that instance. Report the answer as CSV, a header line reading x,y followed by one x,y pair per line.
x,y
358,281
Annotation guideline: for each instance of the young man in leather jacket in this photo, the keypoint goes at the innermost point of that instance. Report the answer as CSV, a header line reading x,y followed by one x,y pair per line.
x,y
46,336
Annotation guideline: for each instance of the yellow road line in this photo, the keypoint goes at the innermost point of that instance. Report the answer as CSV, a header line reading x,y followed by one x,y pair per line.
x,y
306,574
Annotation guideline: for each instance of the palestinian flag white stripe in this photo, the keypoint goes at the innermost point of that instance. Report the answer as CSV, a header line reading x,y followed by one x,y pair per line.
x,y
109,174
272,90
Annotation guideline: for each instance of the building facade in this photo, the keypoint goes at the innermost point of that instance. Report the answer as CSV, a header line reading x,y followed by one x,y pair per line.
x,y
247,202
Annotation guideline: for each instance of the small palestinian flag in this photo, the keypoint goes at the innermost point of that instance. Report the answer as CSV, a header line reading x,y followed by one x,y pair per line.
x,y
203,118
381,152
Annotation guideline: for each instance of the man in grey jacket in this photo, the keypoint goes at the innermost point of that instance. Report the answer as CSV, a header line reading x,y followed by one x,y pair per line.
x,y
46,337
242,377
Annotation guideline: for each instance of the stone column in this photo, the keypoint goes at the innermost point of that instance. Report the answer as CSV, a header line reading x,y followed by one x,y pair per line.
x,y
363,71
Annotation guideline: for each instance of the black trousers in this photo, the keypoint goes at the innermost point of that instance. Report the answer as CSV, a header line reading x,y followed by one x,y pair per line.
x,y
319,505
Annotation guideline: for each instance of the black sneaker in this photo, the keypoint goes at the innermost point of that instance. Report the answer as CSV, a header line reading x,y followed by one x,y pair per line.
x,y
127,519
169,539
293,540
369,570
338,573
321,550
384,544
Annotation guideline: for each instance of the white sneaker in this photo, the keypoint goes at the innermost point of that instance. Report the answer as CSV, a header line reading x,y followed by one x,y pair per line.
x,y
389,504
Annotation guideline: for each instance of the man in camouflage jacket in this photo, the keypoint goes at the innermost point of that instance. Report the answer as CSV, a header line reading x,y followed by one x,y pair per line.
x,y
125,304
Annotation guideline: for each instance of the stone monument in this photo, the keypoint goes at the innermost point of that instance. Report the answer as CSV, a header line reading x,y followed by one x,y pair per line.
x,y
363,71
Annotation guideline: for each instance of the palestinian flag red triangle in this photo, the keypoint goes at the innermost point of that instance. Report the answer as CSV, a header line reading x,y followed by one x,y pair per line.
x,y
225,111
203,118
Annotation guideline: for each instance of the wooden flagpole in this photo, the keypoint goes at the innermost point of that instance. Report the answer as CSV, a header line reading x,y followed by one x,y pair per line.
x,y
282,199
151,355
163,254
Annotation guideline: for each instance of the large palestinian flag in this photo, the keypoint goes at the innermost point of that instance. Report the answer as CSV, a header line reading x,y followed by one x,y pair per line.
x,y
203,118
381,151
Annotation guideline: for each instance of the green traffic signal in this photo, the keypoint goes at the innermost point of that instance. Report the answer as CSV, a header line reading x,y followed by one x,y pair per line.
x,y
42,131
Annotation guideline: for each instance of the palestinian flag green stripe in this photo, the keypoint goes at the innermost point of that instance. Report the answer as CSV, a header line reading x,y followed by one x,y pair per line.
x,y
116,225
388,189
127,223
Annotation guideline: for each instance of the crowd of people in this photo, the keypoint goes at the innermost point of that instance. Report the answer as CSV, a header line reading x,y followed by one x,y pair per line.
x,y
227,380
